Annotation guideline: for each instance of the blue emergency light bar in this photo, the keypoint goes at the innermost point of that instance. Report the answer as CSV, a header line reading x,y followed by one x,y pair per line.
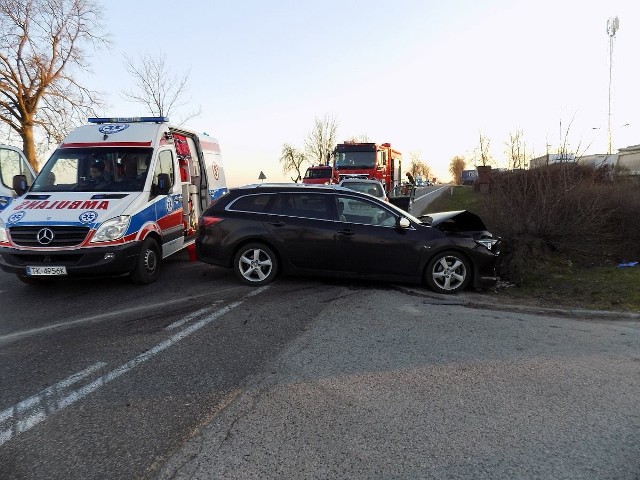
x,y
128,119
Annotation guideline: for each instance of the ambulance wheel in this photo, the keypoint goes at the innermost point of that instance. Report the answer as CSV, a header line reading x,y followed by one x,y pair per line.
x,y
148,265
255,264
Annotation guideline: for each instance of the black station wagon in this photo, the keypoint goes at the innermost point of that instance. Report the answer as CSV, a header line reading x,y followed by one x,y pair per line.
x,y
267,229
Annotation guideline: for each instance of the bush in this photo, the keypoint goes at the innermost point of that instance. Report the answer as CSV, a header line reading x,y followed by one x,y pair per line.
x,y
579,213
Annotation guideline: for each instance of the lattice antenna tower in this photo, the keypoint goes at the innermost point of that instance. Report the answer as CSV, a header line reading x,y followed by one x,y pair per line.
x,y
613,24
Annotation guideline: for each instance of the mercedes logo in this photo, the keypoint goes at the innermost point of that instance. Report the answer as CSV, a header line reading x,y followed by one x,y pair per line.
x,y
45,236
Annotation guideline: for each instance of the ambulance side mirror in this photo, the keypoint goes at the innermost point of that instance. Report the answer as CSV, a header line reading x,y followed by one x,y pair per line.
x,y
20,184
164,184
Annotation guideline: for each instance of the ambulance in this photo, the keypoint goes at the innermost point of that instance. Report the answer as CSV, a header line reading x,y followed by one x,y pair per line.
x,y
115,198
12,162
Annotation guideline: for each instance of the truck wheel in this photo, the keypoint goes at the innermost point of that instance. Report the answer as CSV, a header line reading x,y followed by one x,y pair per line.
x,y
147,266
448,272
255,264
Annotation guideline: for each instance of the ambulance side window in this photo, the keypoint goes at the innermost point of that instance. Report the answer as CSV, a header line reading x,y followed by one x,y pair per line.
x,y
164,165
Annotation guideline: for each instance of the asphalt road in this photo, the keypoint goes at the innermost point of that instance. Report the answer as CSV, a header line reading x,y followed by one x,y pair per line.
x,y
102,379
425,195
401,384
197,376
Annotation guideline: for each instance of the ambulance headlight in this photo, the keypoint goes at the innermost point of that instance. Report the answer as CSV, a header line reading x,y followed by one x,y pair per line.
x,y
4,237
112,229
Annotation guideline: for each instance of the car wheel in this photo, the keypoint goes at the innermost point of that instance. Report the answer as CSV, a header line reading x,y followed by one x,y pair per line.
x,y
448,272
147,266
256,264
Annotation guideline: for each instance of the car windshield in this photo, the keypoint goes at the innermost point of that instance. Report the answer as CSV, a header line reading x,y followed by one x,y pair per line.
x,y
355,160
371,188
94,170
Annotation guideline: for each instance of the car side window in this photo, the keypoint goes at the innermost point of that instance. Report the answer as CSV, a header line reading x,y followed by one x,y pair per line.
x,y
304,205
252,203
357,210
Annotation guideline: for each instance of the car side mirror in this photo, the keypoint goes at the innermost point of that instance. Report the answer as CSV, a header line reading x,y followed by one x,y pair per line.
x,y
403,222
20,184
164,184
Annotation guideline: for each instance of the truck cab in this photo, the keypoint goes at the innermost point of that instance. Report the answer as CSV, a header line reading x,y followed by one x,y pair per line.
x,y
368,161
468,177
318,175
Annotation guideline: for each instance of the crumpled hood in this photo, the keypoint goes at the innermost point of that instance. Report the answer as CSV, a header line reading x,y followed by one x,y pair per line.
x,y
459,221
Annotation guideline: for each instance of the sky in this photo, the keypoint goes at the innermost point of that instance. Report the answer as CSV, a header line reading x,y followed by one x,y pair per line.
x,y
427,76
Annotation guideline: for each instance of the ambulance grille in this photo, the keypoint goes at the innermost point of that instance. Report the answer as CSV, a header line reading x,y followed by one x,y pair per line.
x,y
61,236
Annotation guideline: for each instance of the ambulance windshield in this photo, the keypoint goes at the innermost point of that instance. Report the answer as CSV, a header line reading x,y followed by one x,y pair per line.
x,y
106,169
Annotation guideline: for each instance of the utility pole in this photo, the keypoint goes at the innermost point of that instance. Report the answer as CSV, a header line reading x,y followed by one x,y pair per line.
x,y
612,27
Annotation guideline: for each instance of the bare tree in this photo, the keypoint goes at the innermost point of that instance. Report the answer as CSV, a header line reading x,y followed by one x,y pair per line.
x,y
292,160
418,167
482,155
41,42
157,87
516,151
456,166
565,152
362,138
322,139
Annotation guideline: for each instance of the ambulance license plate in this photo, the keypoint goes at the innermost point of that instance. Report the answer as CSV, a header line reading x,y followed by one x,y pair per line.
x,y
38,271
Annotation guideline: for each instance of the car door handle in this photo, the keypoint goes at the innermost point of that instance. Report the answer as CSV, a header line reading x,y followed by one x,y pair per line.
x,y
277,224
346,231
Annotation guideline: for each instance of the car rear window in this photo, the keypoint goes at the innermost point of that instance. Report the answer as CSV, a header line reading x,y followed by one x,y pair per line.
x,y
251,203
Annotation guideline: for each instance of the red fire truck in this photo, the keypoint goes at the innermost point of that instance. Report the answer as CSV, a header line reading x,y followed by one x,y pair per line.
x,y
368,160
318,174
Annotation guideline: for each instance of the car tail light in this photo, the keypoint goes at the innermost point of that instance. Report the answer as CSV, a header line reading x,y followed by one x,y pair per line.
x,y
209,221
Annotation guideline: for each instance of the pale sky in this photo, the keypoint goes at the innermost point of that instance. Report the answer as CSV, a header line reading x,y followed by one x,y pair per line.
x,y
426,76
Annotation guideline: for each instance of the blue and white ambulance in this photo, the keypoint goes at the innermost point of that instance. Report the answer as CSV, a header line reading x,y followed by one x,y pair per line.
x,y
116,197
12,163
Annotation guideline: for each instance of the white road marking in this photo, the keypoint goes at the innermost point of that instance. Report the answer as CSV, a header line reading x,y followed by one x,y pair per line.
x,y
29,412
95,318
35,408
427,194
257,291
196,314
189,317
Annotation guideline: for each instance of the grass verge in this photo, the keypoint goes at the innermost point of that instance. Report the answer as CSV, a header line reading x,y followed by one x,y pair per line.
x,y
557,282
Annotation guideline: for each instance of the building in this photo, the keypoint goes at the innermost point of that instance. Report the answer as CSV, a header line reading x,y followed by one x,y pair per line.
x,y
550,158
599,160
629,160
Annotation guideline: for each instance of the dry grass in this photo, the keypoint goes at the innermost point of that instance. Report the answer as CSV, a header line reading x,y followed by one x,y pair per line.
x,y
566,229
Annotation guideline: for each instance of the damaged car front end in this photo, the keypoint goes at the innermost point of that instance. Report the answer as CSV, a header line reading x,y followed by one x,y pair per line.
x,y
463,224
